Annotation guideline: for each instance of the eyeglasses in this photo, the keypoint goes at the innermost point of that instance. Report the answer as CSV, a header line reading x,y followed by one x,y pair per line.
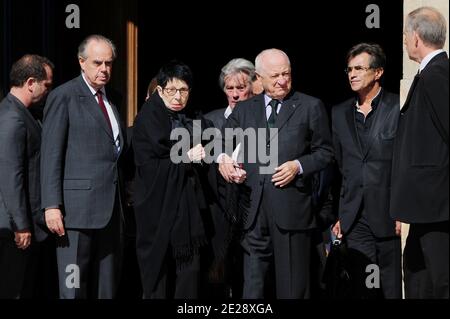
x,y
172,91
357,68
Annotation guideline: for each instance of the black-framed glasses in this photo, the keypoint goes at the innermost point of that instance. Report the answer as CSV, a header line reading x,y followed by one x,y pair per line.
x,y
172,91
357,68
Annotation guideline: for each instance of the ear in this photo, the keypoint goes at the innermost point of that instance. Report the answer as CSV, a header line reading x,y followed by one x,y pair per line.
x,y
159,89
82,62
30,84
379,73
416,39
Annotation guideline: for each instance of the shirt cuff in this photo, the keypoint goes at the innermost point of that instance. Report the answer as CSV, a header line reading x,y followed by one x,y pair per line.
x,y
300,168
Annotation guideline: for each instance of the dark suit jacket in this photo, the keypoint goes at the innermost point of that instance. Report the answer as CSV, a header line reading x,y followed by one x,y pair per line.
x,y
79,164
20,195
303,134
420,164
217,117
366,177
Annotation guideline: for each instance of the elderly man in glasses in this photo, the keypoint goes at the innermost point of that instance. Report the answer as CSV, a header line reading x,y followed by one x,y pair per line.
x,y
363,131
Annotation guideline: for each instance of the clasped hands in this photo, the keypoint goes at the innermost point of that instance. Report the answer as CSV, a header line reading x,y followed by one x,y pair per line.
x,y
233,173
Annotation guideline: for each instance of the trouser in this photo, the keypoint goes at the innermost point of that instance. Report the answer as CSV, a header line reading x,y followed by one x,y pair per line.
x,y
89,261
265,242
13,262
382,252
425,261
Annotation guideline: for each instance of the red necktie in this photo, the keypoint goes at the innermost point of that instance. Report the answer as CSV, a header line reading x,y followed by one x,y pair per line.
x,y
99,95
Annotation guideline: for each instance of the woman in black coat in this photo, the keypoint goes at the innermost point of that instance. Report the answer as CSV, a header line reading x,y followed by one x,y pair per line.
x,y
168,200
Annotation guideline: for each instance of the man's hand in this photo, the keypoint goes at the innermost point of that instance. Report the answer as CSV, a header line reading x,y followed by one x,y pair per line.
x,y
230,170
337,230
398,228
240,175
197,153
22,238
285,173
54,221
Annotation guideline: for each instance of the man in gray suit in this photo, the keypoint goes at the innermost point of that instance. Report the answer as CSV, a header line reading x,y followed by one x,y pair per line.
x,y
82,143
278,215
20,139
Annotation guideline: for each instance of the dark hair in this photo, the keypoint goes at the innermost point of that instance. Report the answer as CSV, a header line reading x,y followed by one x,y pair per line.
x,y
174,70
377,56
29,66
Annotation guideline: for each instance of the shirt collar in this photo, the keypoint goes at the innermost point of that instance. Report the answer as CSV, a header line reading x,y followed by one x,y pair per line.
x,y
375,100
428,58
267,100
93,91
228,112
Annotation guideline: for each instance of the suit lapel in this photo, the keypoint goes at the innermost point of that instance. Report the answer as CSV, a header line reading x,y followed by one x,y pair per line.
x,y
119,123
381,114
30,121
87,100
287,109
410,92
259,107
351,122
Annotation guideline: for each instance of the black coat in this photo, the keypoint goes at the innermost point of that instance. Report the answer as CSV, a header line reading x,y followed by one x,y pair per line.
x,y
167,196
420,164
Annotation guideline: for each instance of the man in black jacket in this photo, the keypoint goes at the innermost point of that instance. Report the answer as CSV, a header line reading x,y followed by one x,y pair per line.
x,y
420,163
20,196
363,131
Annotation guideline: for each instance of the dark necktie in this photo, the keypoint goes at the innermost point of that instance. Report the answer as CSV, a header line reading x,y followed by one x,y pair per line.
x,y
99,95
273,115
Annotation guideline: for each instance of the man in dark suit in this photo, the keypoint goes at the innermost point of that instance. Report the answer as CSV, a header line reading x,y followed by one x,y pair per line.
x,y
82,142
420,164
363,131
236,82
278,214
20,197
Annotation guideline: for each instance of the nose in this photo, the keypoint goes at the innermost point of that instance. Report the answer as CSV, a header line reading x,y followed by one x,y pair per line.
x,y
235,94
281,81
177,94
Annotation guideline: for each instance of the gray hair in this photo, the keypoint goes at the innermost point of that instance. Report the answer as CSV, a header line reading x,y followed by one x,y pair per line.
x,y
429,24
259,57
94,37
236,66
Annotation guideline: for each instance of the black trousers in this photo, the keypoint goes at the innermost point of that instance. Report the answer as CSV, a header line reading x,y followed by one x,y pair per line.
x,y
265,243
426,261
89,261
383,252
178,283
13,263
